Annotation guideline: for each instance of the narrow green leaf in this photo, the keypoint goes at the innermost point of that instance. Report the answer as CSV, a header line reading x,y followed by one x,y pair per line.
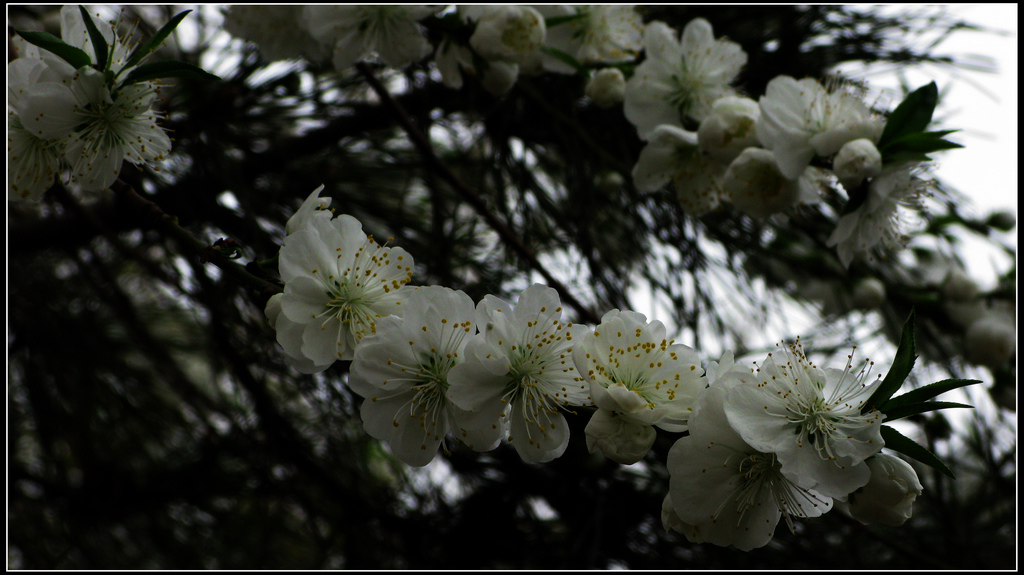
x,y
902,156
166,69
557,20
99,43
74,56
920,142
906,355
896,441
565,58
153,43
926,392
902,411
912,115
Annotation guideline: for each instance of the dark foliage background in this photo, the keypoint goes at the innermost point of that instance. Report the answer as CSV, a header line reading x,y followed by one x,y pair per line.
x,y
152,421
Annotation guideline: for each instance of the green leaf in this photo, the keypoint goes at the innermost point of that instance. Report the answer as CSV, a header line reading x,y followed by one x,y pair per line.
x,y
906,355
926,392
74,56
557,20
153,43
99,43
565,58
166,69
922,142
892,414
912,115
896,441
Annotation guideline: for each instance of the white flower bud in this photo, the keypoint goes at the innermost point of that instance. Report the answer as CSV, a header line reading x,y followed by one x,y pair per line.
x,y
620,439
730,128
856,161
958,286
499,77
869,293
888,498
607,87
992,340
511,33
756,186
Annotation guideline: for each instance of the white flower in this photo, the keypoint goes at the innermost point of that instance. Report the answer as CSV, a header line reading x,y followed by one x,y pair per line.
x,y
337,284
402,372
672,154
801,119
726,372
680,78
879,221
730,128
84,117
98,128
595,34
520,365
508,33
606,87
671,522
496,76
811,419
635,371
756,187
32,161
725,491
888,498
856,161
289,335
276,29
618,437
313,207
352,32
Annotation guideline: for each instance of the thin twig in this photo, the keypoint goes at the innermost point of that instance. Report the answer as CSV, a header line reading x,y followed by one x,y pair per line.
x,y
149,214
508,236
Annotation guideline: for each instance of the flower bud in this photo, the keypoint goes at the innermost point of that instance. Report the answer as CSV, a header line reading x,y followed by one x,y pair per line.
x,y
856,161
607,87
991,340
958,286
1003,220
756,186
620,439
510,33
869,293
730,128
499,77
888,498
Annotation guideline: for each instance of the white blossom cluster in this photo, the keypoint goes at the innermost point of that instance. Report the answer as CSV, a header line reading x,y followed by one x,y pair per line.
x,y
783,440
714,145
787,439
84,122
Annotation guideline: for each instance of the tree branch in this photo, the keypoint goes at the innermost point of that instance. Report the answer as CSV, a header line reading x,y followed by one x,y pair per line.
x,y
433,162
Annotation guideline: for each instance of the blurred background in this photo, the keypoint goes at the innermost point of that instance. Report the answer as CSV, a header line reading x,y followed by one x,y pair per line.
x,y
153,422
